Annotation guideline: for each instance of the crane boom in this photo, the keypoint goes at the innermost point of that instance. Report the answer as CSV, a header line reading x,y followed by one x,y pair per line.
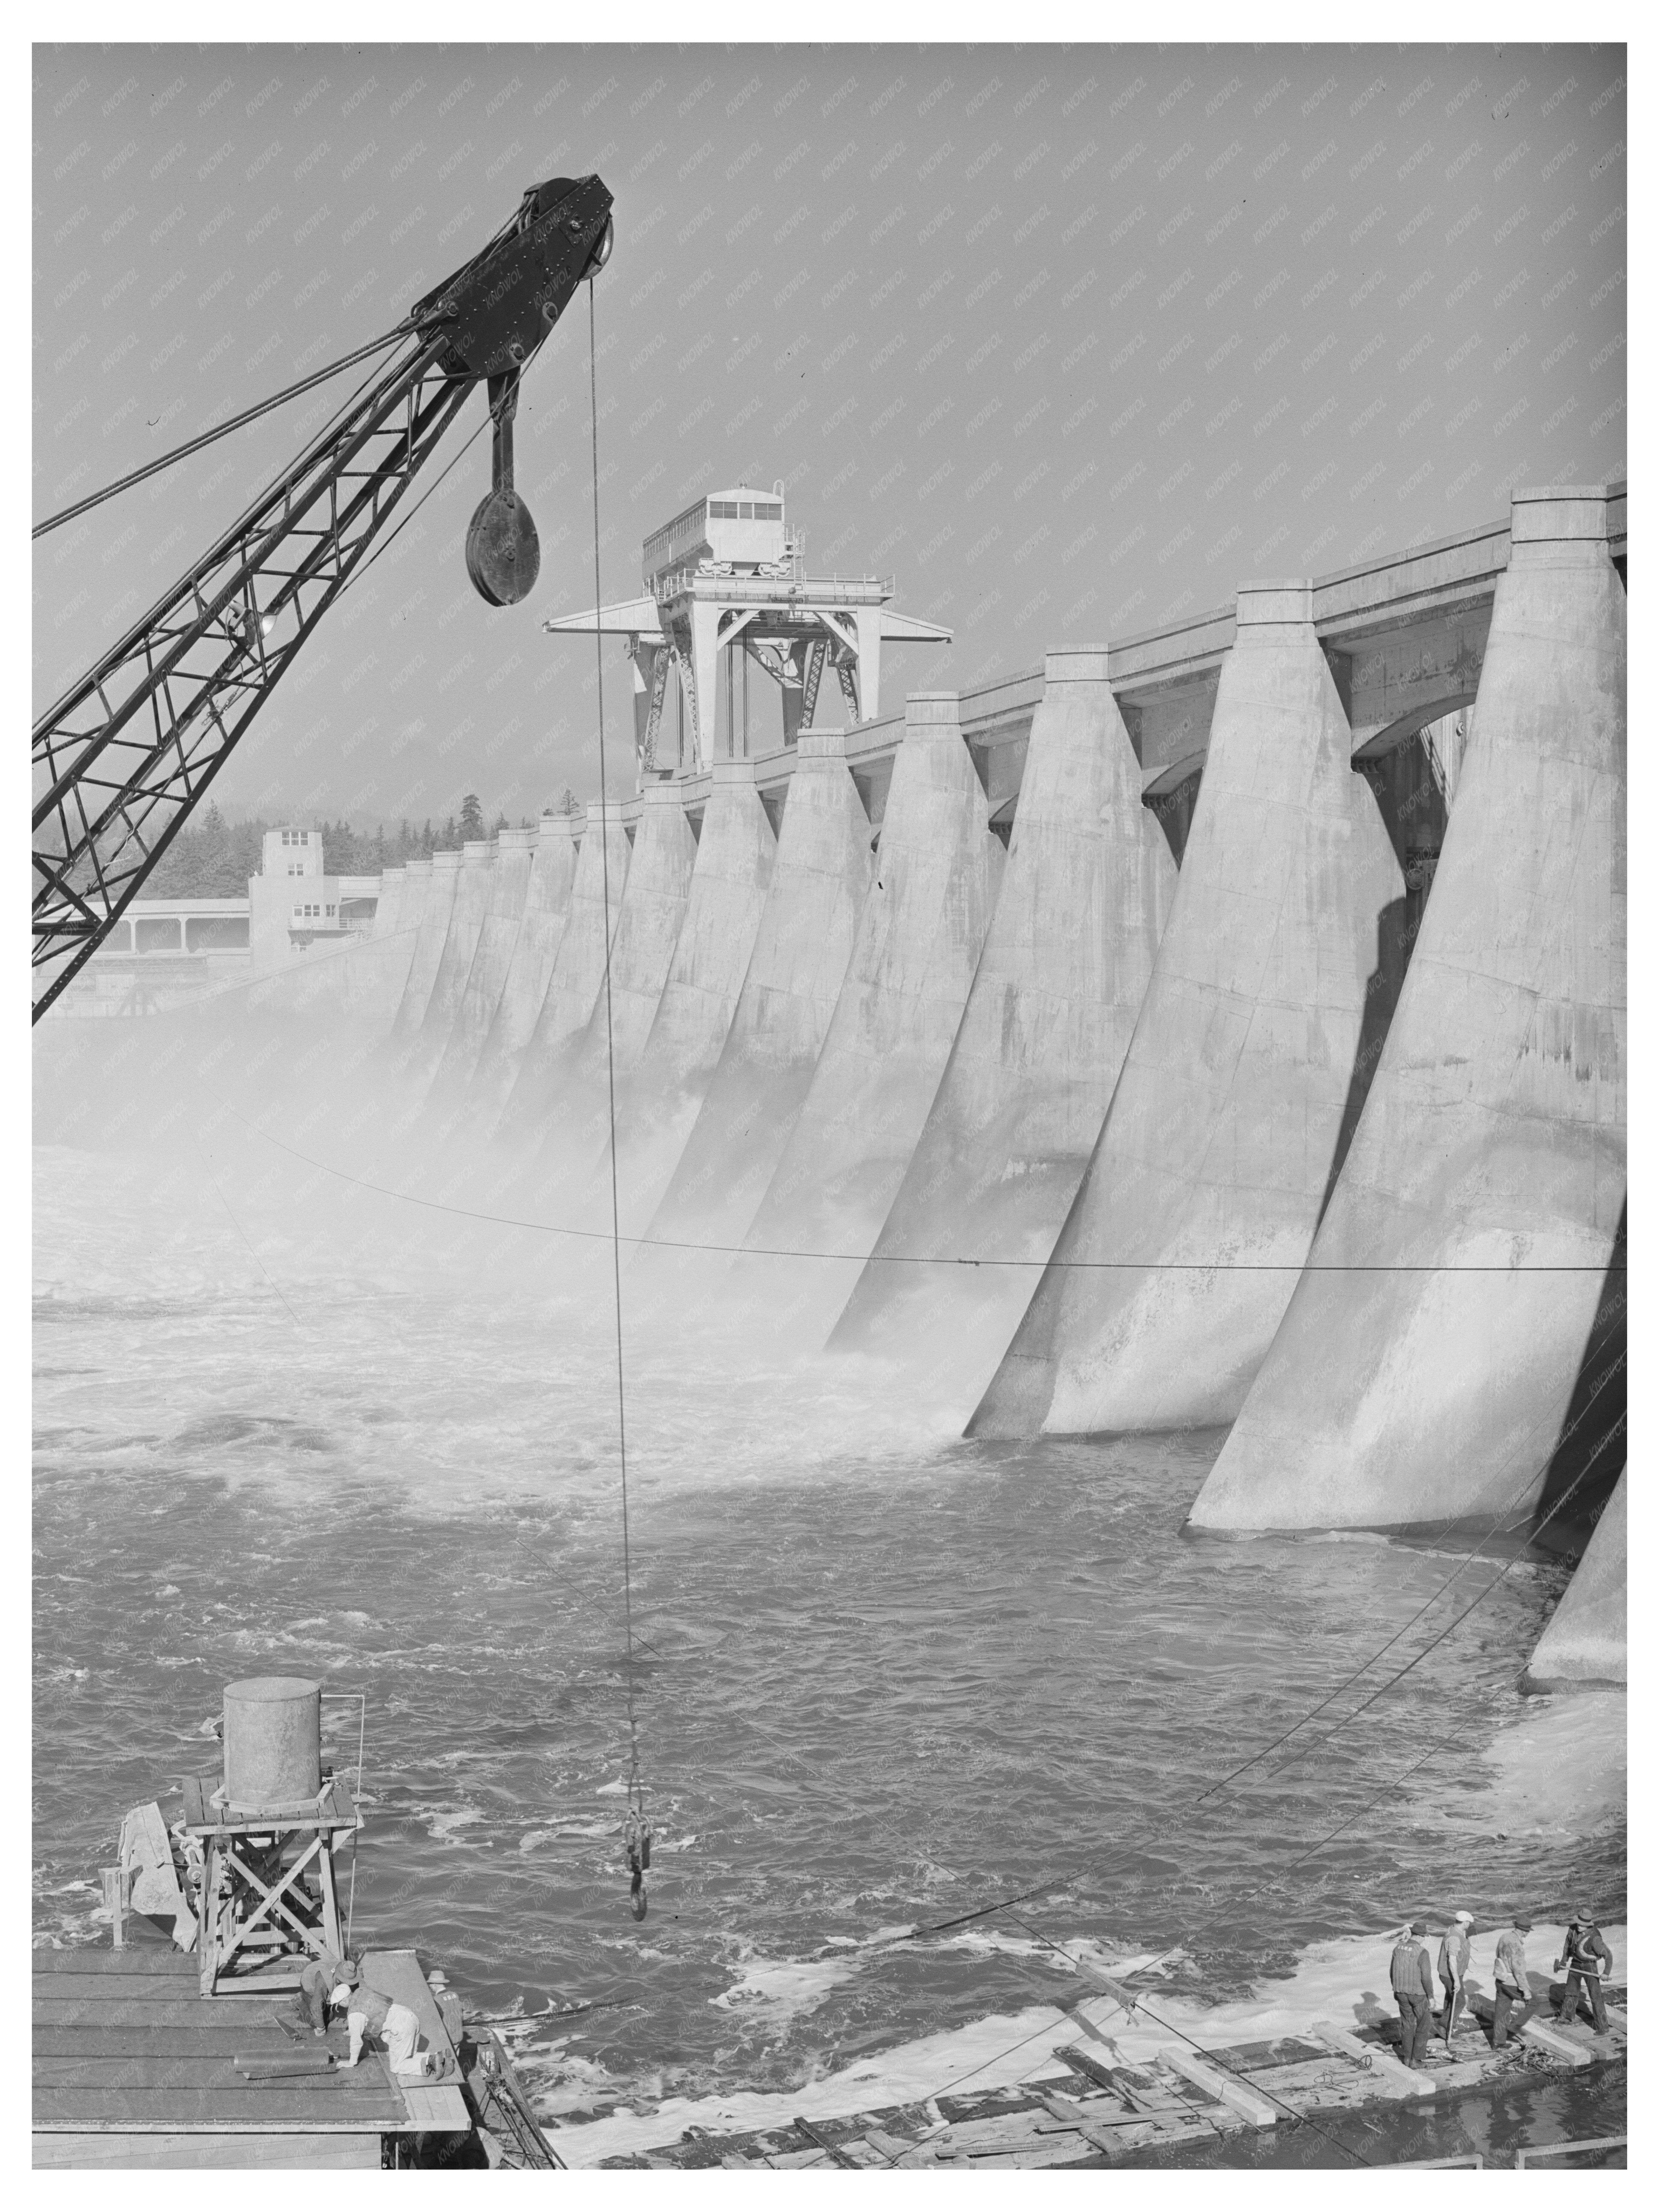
x,y
126,753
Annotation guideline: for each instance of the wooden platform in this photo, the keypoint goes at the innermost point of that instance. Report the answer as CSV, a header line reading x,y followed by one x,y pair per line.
x,y
133,2067
1097,2113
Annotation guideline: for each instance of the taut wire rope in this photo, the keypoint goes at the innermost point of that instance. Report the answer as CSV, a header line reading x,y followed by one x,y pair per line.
x,y
636,1787
209,437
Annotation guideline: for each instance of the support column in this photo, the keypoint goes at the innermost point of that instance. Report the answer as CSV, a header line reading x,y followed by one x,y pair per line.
x,y
1463,1270
705,674
1182,1247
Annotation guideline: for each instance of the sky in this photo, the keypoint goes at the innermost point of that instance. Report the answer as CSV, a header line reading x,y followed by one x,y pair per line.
x,y
1068,341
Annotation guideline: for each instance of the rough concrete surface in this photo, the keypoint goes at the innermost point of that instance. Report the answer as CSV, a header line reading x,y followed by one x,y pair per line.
x,y
1084,898
1426,1363
1181,1251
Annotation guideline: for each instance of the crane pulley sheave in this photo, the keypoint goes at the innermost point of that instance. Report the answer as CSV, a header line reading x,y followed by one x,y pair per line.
x,y
122,758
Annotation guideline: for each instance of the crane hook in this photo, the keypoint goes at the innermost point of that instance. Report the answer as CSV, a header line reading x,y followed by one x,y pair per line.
x,y
503,553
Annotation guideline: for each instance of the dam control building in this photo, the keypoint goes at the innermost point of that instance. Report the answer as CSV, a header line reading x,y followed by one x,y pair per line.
x,y
727,592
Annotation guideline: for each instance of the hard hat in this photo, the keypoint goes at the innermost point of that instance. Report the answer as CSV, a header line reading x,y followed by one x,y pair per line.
x,y
1467,1917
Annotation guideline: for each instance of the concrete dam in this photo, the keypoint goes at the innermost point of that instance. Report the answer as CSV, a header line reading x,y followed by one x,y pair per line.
x,y
1220,1029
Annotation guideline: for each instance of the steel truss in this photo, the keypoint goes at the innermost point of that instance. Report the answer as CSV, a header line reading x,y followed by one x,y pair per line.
x,y
122,756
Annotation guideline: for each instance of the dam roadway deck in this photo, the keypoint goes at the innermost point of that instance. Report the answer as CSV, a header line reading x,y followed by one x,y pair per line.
x,y
1404,632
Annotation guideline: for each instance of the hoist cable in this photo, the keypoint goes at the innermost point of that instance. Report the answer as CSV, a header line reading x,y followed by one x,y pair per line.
x,y
209,437
635,1787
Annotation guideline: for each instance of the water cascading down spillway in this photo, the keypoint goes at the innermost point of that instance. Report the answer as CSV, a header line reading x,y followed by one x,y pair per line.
x,y
1584,1647
535,946
820,877
470,905
1426,1364
938,868
492,957
613,1040
1180,1250
1085,894
442,875
574,982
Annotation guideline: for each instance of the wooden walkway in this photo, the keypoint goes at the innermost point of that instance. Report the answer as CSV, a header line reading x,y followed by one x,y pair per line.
x,y
1086,2111
133,2067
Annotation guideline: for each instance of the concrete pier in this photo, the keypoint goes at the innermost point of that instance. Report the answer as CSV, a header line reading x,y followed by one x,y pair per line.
x,y
1085,894
541,926
659,1101
1181,1252
575,976
938,869
473,887
803,946
441,875
492,957
575,1123
1425,1369
1584,1646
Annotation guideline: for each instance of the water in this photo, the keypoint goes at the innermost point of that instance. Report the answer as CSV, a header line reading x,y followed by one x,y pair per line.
x,y
882,1676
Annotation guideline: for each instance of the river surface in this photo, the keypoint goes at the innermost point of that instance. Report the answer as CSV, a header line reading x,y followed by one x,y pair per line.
x,y
882,1677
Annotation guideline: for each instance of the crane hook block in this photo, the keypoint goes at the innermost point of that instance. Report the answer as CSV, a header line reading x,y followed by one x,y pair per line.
x,y
503,553
497,309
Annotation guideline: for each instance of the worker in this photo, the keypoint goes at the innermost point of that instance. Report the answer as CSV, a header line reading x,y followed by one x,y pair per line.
x,y
318,1983
1584,1955
1454,1969
1413,1990
1509,1983
367,2013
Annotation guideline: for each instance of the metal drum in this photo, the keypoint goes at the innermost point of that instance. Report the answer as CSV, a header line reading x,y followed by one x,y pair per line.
x,y
273,1741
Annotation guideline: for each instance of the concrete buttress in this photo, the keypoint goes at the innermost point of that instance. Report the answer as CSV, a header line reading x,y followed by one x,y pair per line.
x,y
577,974
937,872
473,887
1085,894
1585,1643
648,927
431,935
1427,1362
804,942
498,933
1182,1248
659,1101
541,925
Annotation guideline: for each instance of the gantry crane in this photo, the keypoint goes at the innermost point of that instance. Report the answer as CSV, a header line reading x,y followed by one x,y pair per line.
x,y
124,755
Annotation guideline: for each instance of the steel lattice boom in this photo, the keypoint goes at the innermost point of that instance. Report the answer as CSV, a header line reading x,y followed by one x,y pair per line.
x,y
124,755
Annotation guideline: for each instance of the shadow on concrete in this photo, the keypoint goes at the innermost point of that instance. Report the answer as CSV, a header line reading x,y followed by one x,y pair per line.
x,y
1589,1453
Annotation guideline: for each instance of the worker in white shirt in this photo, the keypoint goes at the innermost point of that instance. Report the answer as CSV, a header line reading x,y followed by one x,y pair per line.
x,y
369,2014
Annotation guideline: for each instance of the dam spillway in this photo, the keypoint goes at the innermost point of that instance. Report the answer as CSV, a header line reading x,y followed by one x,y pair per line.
x,y
1182,1034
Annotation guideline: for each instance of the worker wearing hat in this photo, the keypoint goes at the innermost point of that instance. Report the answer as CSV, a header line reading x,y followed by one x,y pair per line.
x,y
1586,1957
1414,1991
1454,1969
1511,1985
369,2013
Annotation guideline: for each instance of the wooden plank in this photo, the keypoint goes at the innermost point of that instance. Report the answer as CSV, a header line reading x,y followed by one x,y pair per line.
x,y
1255,2110
195,1796
1544,2035
145,2153
1390,2078
306,2102
78,2012
1257,2058
117,2043
102,2069
136,1960
437,2108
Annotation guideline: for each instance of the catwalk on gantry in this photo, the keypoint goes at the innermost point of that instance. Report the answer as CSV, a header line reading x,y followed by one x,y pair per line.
x,y
726,589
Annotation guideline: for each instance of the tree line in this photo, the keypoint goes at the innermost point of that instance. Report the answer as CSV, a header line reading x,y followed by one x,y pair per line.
x,y
213,857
